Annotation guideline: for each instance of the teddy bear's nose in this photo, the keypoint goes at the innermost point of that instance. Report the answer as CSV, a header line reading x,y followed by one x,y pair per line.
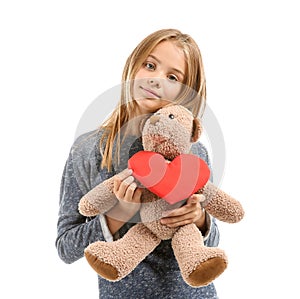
x,y
154,119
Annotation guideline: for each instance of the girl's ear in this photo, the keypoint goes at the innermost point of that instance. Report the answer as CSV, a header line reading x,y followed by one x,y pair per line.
x,y
197,130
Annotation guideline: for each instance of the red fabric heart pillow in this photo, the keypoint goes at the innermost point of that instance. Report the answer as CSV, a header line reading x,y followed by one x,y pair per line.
x,y
172,181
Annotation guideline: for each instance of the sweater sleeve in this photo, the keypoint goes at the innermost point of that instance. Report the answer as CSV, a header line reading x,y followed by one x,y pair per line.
x,y
74,231
212,237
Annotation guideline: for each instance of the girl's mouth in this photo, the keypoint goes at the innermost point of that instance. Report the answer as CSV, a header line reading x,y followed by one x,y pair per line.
x,y
150,92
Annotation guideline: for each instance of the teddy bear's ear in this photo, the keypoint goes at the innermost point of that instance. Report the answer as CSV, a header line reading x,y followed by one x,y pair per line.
x,y
197,130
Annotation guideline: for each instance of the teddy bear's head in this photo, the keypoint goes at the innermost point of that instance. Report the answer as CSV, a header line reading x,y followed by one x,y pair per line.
x,y
171,131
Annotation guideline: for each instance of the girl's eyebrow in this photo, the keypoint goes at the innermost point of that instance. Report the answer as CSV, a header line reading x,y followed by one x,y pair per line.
x,y
174,69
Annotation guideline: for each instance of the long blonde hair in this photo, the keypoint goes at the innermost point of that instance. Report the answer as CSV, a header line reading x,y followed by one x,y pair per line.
x,y
192,97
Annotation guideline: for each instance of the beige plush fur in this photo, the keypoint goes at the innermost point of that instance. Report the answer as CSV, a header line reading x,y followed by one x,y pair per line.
x,y
170,132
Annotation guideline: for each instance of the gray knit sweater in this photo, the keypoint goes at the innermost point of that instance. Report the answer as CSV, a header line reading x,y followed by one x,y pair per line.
x,y
158,275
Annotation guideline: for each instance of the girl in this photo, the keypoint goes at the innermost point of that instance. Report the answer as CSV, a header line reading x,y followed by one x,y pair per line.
x,y
165,67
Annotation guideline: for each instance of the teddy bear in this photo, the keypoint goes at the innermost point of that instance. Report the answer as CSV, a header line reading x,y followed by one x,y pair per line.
x,y
167,135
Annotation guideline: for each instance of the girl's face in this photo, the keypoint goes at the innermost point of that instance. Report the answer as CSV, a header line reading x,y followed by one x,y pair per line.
x,y
159,80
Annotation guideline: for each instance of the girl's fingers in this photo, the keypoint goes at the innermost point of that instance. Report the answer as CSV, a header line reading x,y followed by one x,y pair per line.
x,y
120,177
137,195
177,221
195,199
123,187
133,193
129,193
191,205
186,214
124,174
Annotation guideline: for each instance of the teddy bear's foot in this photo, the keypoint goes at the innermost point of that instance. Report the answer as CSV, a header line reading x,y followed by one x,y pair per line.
x,y
114,260
207,271
105,270
199,265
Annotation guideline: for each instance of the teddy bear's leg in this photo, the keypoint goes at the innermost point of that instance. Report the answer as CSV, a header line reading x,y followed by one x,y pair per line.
x,y
220,205
114,260
199,265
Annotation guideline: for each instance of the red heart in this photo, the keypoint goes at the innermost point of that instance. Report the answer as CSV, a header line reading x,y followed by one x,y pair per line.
x,y
172,181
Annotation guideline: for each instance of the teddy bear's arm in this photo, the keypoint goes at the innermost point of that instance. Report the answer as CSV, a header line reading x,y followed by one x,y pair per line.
x,y
98,200
221,205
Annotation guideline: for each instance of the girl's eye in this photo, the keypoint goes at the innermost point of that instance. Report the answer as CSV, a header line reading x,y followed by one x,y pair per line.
x,y
149,66
173,78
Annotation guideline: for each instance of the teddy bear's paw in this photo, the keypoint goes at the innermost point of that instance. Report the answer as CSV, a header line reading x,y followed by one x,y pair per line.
x,y
222,206
207,271
105,270
86,208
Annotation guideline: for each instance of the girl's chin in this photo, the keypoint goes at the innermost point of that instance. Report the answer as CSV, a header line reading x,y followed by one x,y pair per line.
x,y
150,105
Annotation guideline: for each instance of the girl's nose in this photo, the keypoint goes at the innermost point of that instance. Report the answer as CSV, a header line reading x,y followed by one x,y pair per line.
x,y
154,82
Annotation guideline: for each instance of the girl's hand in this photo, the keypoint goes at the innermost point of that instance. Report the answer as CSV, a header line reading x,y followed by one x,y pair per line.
x,y
127,192
191,212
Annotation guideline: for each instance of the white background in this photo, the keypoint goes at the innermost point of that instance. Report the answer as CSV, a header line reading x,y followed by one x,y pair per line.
x,y
58,56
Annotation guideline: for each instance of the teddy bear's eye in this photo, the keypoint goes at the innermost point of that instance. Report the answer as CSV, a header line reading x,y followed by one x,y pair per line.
x,y
171,116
